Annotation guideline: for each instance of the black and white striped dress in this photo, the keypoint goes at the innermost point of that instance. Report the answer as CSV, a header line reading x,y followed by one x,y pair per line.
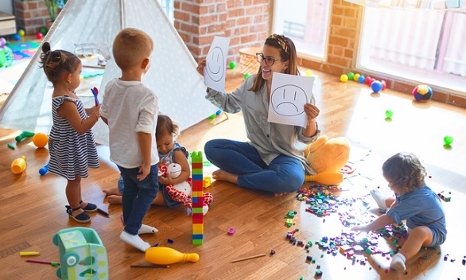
x,y
71,153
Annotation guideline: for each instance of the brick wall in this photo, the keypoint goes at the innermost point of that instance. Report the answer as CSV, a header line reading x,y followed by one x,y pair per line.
x,y
245,22
31,15
345,20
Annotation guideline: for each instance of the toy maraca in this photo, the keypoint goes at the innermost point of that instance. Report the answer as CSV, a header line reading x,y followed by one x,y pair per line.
x,y
166,255
24,134
18,165
44,170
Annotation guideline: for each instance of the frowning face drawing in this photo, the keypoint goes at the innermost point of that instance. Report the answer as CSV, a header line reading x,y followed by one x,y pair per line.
x,y
288,100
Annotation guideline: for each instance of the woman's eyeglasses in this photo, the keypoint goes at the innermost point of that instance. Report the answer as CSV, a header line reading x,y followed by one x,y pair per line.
x,y
268,60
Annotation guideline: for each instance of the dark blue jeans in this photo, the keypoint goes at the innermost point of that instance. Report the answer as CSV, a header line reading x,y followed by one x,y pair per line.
x,y
137,196
283,174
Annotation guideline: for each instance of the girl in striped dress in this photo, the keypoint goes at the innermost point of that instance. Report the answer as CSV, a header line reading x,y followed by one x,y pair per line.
x,y
71,141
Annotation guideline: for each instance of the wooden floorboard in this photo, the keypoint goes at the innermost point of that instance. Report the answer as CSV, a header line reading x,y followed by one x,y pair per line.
x,y
32,206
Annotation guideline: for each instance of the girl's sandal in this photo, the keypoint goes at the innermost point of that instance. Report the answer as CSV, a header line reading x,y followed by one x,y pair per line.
x,y
80,218
89,207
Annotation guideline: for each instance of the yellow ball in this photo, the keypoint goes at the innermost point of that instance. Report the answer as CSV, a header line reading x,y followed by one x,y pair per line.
x,y
308,73
21,32
356,77
344,78
40,140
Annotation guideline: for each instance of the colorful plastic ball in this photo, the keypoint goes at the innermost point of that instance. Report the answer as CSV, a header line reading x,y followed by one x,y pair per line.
x,y
376,86
422,92
350,75
447,140
43,30
232,64
21,32
16,37
39,35
308,73
356,77
344,78
2,42
368,80
384,84
40,139
389,114
246,75
361,79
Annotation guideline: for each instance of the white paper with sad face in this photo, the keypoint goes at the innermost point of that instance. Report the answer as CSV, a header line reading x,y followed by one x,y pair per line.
x,y
288,95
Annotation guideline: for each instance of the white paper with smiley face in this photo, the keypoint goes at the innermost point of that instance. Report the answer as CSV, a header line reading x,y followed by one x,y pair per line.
x,y
289,94
214,72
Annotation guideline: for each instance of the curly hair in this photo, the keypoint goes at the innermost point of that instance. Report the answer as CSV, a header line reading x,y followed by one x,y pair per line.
x,y
405,171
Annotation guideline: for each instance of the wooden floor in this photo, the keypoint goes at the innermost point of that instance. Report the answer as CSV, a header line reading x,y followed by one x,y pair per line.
x,y
32,207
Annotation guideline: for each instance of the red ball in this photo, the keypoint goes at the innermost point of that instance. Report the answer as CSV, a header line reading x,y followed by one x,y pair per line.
x,y
368,80
39,35
384,84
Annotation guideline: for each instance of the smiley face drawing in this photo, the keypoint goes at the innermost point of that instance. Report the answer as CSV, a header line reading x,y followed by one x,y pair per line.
x,y
215,64
288,100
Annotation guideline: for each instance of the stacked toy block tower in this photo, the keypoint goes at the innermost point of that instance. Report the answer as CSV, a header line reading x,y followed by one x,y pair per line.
x,y
197,198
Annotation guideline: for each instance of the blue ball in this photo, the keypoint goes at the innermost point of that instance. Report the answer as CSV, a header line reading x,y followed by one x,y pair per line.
x,y
16,37
361,79
376,86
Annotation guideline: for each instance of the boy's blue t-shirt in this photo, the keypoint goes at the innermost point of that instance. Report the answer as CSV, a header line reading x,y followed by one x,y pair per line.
x,y
421,207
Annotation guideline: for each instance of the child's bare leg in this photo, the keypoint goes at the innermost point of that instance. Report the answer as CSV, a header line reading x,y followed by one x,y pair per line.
x,y
73,194
417,238
114,199
222,175
112,191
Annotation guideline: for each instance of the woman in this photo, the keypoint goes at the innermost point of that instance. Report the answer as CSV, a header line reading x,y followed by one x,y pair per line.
x,y
273,159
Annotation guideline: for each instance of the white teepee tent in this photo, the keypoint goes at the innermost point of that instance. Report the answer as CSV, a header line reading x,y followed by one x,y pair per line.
x,y
172,76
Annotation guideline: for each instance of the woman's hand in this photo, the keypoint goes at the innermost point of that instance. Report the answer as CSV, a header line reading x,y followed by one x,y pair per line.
x,y
201,66
311,111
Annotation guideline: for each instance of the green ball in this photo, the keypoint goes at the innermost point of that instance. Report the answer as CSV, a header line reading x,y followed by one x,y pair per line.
x,y
350,76
246,75
232,65
448,140
43,30
389,114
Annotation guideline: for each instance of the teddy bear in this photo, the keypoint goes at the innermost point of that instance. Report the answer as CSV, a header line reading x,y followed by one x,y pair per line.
x,y
182,192
327,157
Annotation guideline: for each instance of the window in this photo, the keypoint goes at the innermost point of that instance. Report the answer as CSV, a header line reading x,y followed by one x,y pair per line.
x,y
167,7
420,45
305,22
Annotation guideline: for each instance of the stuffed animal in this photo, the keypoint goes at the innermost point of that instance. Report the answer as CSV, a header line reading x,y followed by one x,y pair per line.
x,y
327,157
182,192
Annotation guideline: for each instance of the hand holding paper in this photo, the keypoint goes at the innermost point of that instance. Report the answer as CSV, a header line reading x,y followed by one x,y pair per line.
x,y
288,96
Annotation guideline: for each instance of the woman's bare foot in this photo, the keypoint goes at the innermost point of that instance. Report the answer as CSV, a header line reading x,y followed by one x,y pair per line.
x,y
222,175
114,199
112,191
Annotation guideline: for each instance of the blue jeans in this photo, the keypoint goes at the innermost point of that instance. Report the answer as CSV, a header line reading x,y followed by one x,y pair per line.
x,y
283,174
137,196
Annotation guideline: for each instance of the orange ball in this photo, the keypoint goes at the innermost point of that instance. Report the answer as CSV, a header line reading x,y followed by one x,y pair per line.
x,y
40,140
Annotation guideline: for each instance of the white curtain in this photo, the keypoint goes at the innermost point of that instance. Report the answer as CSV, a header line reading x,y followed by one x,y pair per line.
x,y
406,36
455,57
